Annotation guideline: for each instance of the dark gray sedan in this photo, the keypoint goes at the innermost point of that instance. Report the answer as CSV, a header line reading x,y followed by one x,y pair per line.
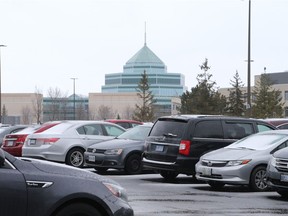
x,y
31,187
123,152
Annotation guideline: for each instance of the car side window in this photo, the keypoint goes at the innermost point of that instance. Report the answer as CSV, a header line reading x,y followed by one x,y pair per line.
x,y
92,129
112,130
262,127
208,129
238,130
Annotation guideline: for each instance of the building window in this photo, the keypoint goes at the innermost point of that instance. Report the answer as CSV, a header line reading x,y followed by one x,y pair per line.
x,y
286,95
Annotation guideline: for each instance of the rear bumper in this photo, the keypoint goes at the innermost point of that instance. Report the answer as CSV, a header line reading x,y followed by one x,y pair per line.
x,y
185,166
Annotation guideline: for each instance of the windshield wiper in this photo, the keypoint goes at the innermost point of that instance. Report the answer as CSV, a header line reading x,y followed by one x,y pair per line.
x,y
170,135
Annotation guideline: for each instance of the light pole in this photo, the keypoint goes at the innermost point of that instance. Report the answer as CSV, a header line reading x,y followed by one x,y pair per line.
x,y
249,63
74,105
0,86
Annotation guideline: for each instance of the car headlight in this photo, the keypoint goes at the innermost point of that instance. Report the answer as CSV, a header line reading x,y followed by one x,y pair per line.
x,y
117,190
238,162
272,161
113,151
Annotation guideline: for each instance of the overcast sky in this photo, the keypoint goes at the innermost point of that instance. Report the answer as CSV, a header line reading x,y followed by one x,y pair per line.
x,y
51,41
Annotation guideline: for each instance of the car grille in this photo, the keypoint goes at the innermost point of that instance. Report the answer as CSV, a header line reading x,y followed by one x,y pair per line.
x,y
92,150
282,164
211,163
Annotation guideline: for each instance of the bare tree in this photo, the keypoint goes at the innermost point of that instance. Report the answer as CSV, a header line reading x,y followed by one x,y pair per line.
x,y
38,105
26,115
4,113
105,112
53,109
128,112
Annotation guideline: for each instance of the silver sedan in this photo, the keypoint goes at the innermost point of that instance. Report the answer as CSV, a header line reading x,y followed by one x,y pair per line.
x,y
67,141
243,162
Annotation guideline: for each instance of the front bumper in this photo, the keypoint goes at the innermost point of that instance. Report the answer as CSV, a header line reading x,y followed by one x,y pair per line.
x,y
228,175
274,179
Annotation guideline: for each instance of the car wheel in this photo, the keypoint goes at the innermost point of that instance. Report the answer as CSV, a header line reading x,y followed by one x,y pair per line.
x,y
133,164
76,209
258,179
284,194
101,169
216,185
75,157
168,175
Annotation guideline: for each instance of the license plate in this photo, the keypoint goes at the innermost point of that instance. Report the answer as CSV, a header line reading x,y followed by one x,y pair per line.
x,y
91,158
284,178
159,148
10,143
32,141
207,171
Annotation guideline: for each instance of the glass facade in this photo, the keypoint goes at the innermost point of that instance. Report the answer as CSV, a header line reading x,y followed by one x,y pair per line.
x,y
163,85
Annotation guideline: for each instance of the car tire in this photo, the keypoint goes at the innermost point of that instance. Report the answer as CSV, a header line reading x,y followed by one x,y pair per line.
x,y
216,185
75,157
284,194
133,164
78,209
258,179
169,175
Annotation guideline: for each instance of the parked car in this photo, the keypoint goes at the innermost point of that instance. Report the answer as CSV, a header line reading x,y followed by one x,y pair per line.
x,y
175,143
67,141
9,130
41,188
277,172
123,152
243,162
276,121
125,123
13,143
282,126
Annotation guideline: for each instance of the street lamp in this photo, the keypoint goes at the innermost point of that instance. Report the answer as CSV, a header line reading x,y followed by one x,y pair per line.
x,y
249,63
74,105
0,85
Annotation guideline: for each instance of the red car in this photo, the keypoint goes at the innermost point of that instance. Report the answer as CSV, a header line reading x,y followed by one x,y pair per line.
x,y
12,143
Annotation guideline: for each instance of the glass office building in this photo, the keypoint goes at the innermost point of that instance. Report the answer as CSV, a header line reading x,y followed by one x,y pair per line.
x,y
164,85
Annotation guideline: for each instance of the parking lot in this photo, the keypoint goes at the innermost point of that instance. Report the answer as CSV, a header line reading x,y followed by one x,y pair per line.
x,y
150,195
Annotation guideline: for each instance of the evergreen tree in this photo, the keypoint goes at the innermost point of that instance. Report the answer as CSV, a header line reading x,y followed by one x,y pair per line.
x,y
236,105
203,98
144,112
267,102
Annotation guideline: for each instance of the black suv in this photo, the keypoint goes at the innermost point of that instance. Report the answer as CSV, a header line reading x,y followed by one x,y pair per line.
x,y
175,143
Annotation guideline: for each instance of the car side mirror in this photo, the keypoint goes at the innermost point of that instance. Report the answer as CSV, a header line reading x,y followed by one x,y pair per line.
x,y
2,157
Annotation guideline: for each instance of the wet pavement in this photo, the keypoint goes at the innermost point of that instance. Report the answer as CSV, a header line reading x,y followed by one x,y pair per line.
x,y
150,195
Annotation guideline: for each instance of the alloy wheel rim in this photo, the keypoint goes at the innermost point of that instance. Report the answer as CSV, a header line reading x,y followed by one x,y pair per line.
x,y
76,158
260,179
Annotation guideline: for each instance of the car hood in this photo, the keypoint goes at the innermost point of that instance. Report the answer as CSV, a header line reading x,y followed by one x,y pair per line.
x,y
65,170
116,143
229,154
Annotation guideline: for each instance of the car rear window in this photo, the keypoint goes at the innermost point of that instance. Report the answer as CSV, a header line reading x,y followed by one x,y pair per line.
x,y
164,127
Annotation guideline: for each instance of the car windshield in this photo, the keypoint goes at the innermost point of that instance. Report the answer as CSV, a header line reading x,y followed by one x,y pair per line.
x,y
136,133
257,141
60,128
28,130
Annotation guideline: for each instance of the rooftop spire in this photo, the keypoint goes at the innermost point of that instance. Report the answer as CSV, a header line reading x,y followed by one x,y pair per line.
x,y
145,35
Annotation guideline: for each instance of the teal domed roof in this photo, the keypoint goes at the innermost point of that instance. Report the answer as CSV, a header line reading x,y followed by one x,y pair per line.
x,y
146,60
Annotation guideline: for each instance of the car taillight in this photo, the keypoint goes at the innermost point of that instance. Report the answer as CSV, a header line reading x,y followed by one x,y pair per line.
x,y
49,141
184,147
21,139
